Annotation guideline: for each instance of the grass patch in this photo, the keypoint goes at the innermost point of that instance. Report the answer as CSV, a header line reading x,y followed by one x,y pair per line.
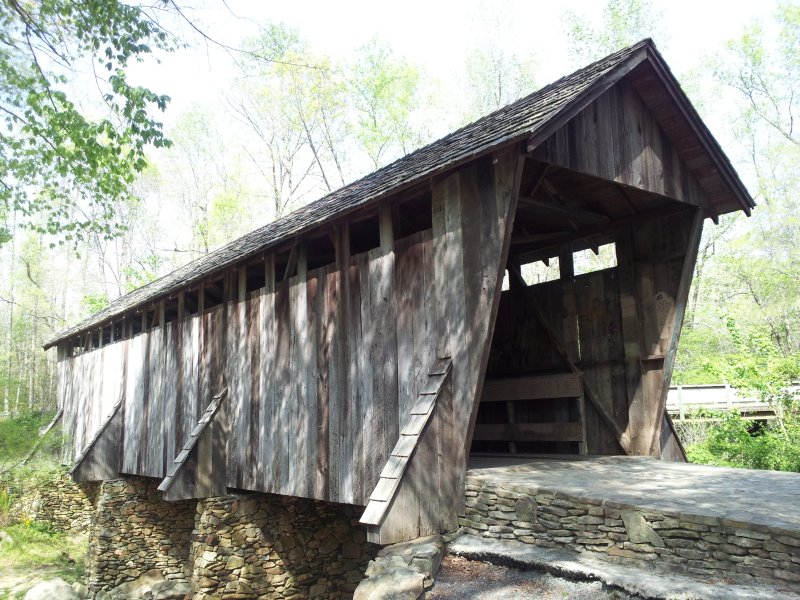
x,y
42,553
18,435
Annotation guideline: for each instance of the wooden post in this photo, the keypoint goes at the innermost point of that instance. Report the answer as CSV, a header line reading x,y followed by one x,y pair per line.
x,y
302,262
342,246
227,288
631,334
269,273
242,283
386,228
290,264
181,305
681,298
566,264
566,269
162,313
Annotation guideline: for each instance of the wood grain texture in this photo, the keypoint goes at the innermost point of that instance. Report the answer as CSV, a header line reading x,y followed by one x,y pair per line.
x,y
618,138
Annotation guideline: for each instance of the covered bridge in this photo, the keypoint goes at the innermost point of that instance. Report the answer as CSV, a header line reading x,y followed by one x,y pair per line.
x,y
358,350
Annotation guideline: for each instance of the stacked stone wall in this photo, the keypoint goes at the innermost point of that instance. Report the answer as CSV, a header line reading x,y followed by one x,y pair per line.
x,y
267,546
66,505
617,532
57,500
253,546
135,531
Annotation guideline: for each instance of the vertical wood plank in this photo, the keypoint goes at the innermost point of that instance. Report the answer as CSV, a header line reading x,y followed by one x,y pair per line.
x,y
356,423
335,397
675,325
384,355
169,388
283,388
268,375
341,433
324,337
365,364
312,373
253,349
302,358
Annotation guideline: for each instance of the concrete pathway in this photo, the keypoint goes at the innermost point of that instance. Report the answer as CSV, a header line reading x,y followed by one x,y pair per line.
x,y
767,498
651,582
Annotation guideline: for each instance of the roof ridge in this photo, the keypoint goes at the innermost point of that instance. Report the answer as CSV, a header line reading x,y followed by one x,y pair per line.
x,y
513,121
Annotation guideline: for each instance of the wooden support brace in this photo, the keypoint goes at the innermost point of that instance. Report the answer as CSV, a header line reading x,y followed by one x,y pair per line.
x,y
681,298
561,348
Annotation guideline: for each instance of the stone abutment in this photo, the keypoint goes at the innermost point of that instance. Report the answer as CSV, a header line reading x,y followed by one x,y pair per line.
x,y
618,532
238,547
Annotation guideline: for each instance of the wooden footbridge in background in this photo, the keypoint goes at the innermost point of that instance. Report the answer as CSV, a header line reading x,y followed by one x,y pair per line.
x,y
693,402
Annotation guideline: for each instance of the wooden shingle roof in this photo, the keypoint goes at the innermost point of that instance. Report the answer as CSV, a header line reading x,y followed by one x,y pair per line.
x,y
531,118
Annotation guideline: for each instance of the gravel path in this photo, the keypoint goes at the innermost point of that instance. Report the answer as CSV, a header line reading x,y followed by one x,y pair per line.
x,y
461,578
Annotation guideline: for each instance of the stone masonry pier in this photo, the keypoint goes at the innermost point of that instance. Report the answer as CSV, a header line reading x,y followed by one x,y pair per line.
x,y
734,524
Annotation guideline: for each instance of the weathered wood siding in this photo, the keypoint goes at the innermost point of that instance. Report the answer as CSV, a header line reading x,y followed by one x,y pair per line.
x,y
321,371
323,367
89,386
618,138
473,212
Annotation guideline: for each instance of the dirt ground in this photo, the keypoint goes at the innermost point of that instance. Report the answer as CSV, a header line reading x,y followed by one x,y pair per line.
x,y
461,578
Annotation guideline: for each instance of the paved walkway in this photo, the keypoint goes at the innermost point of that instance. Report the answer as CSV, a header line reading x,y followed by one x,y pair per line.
x,y
767,498
653,582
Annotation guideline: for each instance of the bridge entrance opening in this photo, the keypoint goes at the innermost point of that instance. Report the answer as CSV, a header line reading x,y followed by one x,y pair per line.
x,y
532,402
583,322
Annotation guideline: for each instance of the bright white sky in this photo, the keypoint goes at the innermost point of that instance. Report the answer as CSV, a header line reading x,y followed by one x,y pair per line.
x,y
433,34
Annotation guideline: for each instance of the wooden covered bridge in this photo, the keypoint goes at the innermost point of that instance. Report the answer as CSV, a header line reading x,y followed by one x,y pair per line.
x,y
358,350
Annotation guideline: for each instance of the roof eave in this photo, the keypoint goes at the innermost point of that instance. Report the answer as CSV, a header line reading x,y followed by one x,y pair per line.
x,y
712,147
89,324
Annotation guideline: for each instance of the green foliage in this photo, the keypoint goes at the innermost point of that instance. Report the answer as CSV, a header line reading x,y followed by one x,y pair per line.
x,y
146,272
744,326
750,361
496,78
18,435
5,505
316,123
93,303
39,549
59,167
625,22
383,89
736,442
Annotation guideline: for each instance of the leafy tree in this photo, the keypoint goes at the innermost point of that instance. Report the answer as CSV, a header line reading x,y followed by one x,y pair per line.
x,y
495,75
757,278
736,442
313,124
496,78
625,22
383,91
58,160
291,107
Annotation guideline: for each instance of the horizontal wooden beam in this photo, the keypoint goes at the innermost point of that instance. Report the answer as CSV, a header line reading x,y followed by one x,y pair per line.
x,y
529,432
567,385
532,248
579,215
